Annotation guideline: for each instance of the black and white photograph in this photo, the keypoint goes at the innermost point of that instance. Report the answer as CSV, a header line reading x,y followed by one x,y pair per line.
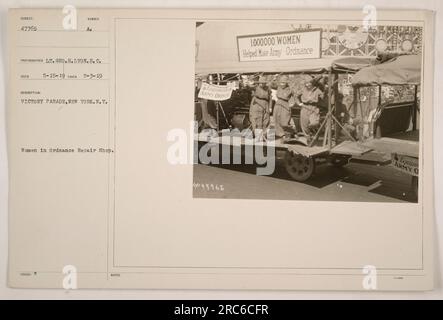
x,y
312,112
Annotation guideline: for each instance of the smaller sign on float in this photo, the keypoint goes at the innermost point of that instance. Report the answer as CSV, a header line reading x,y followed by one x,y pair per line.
x,y
215,92
405,164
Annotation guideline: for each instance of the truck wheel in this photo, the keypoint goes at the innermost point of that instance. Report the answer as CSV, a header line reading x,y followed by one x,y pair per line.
x,y
299,167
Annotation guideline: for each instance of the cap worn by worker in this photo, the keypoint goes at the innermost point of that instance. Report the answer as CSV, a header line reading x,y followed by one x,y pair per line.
x,y
283,78
307,79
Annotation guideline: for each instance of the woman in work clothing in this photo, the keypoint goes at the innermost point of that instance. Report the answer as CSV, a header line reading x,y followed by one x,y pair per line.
x,y
259,109
282,109
310,101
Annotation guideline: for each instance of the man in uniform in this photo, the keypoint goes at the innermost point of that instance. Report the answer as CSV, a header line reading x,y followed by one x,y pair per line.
x,y
259,109
282,109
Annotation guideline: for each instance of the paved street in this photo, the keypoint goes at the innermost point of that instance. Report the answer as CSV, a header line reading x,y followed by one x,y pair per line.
x,y
354,182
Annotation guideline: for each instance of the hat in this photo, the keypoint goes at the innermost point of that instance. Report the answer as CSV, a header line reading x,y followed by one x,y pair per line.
x,y
262,79
315,81
307,79
283,78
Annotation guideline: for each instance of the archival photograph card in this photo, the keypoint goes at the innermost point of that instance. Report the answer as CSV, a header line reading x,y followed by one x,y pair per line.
x,y
220,149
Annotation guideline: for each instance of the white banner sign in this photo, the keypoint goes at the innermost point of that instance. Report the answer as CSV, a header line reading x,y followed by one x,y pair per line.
x,y
215,92
280,46
405,164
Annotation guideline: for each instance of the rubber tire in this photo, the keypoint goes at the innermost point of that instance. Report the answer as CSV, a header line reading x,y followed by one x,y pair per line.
x,y
299,168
